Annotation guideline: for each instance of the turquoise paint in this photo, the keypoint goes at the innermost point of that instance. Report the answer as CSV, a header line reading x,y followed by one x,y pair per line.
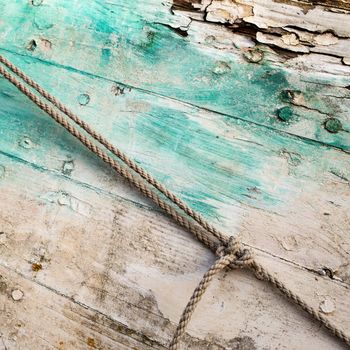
x,y
105,56
83,99
128,42
285,114
206,157
333,125
203,164
208,169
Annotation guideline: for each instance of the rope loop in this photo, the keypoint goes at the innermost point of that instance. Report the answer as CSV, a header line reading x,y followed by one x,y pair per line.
x,y
230,251
242,257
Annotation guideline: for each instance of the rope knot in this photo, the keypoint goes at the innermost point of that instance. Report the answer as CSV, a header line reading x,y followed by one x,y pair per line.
x,y
241,257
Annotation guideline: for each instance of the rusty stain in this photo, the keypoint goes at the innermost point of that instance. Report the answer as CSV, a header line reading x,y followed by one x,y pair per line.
x,y
91,342
36,267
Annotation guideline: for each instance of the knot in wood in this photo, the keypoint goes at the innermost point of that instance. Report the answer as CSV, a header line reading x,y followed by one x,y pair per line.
x,y
241,257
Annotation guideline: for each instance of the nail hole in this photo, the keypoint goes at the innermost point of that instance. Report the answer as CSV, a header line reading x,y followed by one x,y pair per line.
x,y
32,45
83,99
26,143
325,271
36,2
333,125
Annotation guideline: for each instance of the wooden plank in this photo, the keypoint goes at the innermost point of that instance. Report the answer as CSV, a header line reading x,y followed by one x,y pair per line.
x,y
238,177
95,266
133,44
56,321
246,133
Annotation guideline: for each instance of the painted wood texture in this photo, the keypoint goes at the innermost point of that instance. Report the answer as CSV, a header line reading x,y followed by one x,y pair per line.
x,y
250,132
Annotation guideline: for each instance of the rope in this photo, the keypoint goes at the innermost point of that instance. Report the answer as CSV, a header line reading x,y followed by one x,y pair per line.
x,y
183,221
116,151
231,256
231,253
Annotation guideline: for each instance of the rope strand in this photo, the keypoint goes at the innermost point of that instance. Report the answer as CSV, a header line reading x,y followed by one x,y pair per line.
x,y
230,252
116,151
183,221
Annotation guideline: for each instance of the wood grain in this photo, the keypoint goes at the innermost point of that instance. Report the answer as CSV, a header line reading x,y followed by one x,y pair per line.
x,y
244,114
120,273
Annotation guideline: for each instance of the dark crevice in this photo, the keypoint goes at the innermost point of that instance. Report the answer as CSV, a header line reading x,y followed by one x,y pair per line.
x,y
178,30
185,5
251,30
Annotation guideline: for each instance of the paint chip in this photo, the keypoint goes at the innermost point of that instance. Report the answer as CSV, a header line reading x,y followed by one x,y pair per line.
x,y
290,39
3,237
17,295
285,114
253,55
32,45
326,39
327,306
221,67
68,167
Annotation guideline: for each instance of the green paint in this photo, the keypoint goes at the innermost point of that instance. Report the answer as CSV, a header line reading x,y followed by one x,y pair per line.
x,y
333,125
285,114
241,155
132,43
105,56
211,161
83,99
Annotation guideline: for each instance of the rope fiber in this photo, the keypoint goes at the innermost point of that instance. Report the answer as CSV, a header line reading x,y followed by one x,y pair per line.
x,y
231,253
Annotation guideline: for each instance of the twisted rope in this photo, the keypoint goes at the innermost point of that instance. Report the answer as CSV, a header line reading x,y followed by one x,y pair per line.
x,y
231,253
124,172
116,151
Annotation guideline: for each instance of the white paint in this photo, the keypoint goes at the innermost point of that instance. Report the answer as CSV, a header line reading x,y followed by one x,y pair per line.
x,y
17,295
327,306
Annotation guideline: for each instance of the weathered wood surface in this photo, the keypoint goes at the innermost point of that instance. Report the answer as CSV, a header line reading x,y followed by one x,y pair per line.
x,y
241,110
